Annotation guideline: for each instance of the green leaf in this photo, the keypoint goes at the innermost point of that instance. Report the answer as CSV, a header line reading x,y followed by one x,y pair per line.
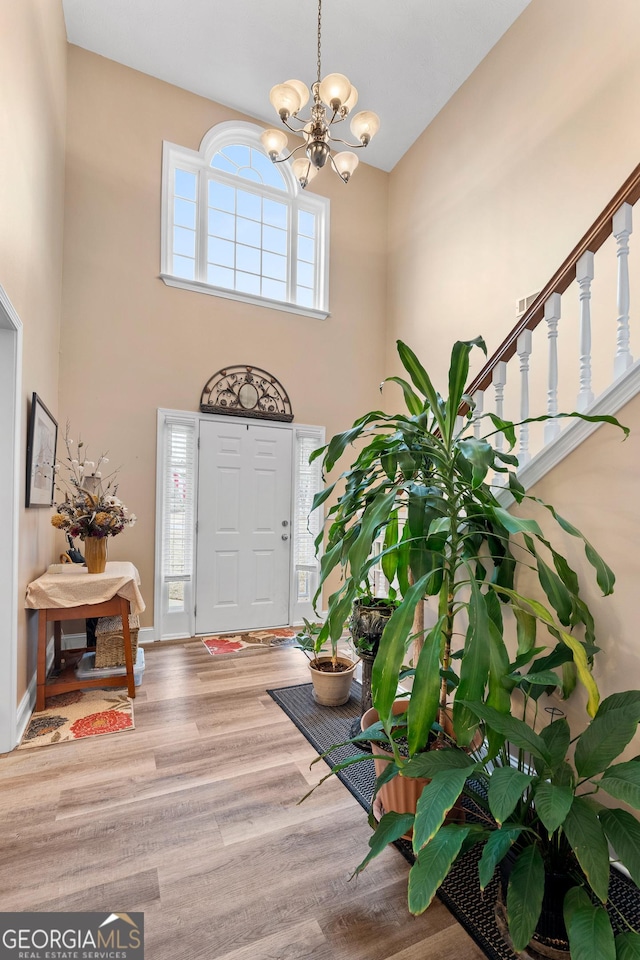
x,y
338,445
518,732
557,737
574,899
515,524
458,373
421,381
496,847
434,803
433,865
586,836
557,594
622,781
552,804
415,405
629,700
431,762
392,826
374,516
506,788
604,574
479,453
543,678
623,831
321,496
384,678
389,558
524,896
526,624
628,946
474,668
425,693
590,934
603,740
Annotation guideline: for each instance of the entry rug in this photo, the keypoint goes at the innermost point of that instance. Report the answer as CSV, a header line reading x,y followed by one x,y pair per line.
x,y
78,714
324,726
233,642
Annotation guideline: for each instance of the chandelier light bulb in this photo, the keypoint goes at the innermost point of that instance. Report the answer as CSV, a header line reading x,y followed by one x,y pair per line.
x,y
365,125
302,90
335,90
346,162
303,171
350,102
274,142
285,99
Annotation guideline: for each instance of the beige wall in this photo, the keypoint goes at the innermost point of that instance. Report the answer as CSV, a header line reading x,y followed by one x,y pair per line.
x,y
485,207
130,344
33,52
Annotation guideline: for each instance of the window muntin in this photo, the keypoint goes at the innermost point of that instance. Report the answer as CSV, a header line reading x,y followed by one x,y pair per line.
x,y
240,225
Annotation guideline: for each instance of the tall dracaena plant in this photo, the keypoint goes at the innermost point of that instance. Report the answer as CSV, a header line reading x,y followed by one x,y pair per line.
x,y
420,481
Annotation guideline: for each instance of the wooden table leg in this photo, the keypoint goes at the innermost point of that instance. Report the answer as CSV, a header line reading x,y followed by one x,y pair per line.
x,y
128,654
42,660
57,644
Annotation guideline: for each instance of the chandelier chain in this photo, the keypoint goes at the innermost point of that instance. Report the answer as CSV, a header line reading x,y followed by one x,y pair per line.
x,y
319,36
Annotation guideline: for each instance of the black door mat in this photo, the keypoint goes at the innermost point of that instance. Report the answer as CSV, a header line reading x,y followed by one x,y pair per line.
x,y
324,726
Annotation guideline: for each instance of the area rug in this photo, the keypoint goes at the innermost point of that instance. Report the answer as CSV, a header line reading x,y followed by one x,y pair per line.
x,y
325,726
233,642
78,714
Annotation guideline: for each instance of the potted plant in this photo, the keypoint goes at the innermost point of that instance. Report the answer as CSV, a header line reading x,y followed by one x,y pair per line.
x,y
421,482
369,617
538,807
331,674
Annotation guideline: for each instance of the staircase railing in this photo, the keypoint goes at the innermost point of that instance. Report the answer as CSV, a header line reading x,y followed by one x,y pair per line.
x,y
522,397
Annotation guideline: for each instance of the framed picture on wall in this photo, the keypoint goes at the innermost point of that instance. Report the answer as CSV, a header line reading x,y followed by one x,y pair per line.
x,y
41,455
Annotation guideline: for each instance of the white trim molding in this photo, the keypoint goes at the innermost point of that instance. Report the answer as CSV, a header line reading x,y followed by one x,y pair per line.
x,y
10,506
218,246
624,389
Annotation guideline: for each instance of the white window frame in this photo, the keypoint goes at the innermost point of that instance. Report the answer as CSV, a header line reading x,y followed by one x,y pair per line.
x,y
199,162
170,625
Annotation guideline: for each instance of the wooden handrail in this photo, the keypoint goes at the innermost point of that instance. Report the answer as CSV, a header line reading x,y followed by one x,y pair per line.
x,y
593,239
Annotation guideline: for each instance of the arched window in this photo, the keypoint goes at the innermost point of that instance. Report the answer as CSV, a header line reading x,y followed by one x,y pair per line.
x,y
236,225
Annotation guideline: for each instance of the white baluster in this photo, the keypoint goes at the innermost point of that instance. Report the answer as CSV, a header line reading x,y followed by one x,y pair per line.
x,y
524,352
622,229
479,408
552,313
584,276
499,379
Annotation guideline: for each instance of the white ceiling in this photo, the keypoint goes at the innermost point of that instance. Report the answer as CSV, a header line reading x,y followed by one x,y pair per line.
x,y
406,57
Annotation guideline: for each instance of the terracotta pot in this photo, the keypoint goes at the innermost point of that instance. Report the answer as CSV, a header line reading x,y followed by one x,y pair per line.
x,y
332,689
95,554
401,794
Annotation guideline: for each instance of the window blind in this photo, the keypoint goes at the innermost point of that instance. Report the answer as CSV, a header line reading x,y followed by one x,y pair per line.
x,y
178,500
306,525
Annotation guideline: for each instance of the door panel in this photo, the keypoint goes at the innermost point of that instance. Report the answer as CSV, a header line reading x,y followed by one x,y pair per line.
x,y
244,497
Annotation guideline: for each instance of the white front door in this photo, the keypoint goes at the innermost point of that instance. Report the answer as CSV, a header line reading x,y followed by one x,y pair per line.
x,y
244,517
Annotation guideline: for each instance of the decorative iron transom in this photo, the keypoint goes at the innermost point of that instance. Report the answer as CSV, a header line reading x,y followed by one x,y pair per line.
x,y
243,391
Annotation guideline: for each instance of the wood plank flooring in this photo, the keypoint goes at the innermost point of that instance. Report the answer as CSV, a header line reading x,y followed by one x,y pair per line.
x,y
193,818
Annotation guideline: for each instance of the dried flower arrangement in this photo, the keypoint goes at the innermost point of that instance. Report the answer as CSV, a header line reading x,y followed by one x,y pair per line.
x,y
90,507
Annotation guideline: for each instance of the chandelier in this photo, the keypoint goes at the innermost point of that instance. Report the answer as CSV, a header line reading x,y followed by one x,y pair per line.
x,y
333,100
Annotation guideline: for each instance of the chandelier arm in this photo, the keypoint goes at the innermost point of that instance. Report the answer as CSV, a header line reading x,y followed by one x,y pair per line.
x,y
296,129
288,157
333,164
356,146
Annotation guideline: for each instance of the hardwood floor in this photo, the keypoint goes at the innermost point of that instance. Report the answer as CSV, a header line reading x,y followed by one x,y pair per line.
x,y
193,819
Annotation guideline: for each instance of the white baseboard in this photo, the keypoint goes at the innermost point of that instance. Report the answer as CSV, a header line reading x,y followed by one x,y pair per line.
x,y
72,640
28,702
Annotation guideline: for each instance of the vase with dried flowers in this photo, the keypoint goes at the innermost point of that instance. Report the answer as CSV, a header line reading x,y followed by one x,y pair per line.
x,y
90,509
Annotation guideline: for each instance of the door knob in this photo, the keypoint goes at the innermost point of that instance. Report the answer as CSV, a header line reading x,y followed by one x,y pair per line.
x,y
285,536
